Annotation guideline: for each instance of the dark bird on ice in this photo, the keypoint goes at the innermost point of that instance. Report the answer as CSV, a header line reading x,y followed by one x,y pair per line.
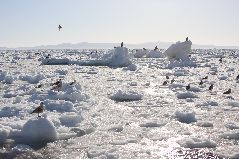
x,y
228,91
167,77
188,87
122,44
204,78
39,86
237,78
165,83
172,81
144,49
73,82
186,38
201,83
39,109
156,48
59,27
220,60
57,85
210,87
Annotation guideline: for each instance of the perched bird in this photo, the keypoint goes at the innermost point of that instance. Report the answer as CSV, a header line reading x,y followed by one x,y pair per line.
x,y
144,49
156,48
172,81
167,77
186,38
201,83
57,85
237,78
39,109
73,82
39,86
188,87
220,60
122,44
210,87
228,91
165,83
59,27
204,78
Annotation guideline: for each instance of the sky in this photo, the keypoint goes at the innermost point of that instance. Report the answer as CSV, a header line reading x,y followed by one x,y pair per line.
x,y
34,22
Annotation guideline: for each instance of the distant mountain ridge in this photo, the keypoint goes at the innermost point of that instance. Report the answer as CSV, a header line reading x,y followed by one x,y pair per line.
x,y
86,45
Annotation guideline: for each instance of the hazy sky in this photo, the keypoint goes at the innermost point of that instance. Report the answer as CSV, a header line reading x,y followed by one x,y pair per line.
x,y
34,22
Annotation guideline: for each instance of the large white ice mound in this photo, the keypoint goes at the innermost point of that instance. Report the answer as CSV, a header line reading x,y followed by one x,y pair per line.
x,y
119,57
39,130
180,50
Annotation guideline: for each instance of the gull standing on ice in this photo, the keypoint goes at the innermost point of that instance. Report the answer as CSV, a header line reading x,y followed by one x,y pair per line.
x,y
38,109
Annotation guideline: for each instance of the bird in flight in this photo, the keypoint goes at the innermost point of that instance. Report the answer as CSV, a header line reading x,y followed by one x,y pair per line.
x,y
59,27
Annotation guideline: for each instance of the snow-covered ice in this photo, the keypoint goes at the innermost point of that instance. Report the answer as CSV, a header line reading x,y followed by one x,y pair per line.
x,y
112,104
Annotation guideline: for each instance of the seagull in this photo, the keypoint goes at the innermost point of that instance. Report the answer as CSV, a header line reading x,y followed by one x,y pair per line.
x,y
59,27
39,86
156,48
210,87
220,60
165,83
57,85
237,78
188,87
228,91
172,81
39,109
73,82
201,82
205,78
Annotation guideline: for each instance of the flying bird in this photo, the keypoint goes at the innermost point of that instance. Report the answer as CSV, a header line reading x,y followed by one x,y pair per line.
x,y
39,109
59,27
